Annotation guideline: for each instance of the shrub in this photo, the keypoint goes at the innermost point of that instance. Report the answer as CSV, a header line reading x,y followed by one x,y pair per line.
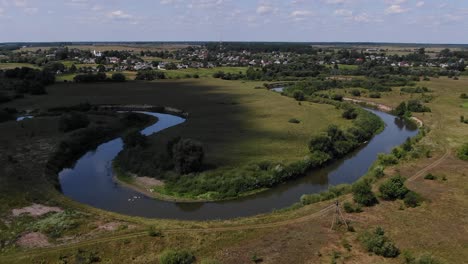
x,y
356,92
417,106
118,77
337,97
176,257
430,176
149,75
412,199
379,244
362,193
294,121
375,95
463,96
152,232
187,155
134,138
350,114
72,121
463,152
350,208
394,188
298,95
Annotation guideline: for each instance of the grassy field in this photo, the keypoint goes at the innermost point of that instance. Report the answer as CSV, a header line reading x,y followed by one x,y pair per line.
x,y
4,66
437,227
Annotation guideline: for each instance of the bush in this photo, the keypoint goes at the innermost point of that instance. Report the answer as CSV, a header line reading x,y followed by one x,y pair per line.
x,y
463,96
89,78
350,208
463,152
72,121
176,257
337,97
356,92
379,244
187,155
298,95
430,176
294,121
394,188
350,114
375,95
362,193
150,75
118,77
134,138
412,199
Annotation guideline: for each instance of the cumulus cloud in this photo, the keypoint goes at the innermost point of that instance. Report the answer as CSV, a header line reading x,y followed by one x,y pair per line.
x,y
420,4
299,15
395,9
343,12
265,9
119,15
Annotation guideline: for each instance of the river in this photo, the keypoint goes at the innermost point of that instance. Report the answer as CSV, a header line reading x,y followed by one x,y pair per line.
x,y
90,181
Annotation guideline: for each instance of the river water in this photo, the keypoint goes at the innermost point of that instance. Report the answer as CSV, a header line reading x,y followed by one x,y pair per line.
x,y
90,181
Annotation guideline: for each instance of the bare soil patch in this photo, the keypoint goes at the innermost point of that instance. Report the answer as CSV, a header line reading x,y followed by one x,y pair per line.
x,y
36,210
33,240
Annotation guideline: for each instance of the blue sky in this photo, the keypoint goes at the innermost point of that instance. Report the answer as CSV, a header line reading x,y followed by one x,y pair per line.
x,y
423,21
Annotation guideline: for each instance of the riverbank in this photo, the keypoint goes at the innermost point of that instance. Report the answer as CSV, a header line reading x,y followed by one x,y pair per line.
x,y
381,107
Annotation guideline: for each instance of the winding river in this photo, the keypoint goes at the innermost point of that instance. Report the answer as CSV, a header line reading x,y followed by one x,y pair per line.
x,y
90,181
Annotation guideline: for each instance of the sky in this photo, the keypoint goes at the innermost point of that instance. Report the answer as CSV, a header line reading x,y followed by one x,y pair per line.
x,y
408,21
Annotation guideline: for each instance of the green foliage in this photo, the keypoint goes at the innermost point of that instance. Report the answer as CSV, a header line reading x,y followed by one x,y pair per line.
x,y
352,208
394,188
56,224
150,75
118,77
350,113
332,193
430,176
424,259
387,159
176,257
415,90
72,121
462,152
152,232
376,242
417,106
90,77
294,121
298,95
355,92
188,155
412,199
134,138
463,96
375,95
362,193
85,257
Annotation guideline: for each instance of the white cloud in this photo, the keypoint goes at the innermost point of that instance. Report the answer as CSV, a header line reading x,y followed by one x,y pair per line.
x,y
119,15
420,4
265,9
1,11
299,15
395,2
20,3
395,9
31,10
343,12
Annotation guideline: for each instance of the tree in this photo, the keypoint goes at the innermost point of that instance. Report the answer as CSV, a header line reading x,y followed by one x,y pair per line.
x,y
394,188
187,155
176,257
101,68
320,143
298,95
118,77
72,69
401,109
134,138
72,121
362,193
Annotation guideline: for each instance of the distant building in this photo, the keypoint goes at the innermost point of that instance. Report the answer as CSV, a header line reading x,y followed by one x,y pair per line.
x,y
97,53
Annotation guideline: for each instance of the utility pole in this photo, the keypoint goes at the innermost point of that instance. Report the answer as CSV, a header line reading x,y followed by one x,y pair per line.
x,y
338,215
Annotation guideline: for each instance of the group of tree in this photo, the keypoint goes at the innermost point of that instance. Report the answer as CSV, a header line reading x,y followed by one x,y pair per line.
x,y
405,108
26,80
99,77
150,75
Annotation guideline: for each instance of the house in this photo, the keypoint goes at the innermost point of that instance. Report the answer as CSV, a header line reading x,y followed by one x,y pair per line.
x,y
113,60
97,53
